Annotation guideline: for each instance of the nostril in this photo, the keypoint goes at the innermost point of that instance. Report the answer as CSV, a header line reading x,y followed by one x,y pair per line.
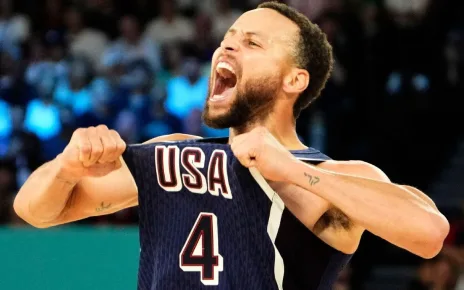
x,y
230,48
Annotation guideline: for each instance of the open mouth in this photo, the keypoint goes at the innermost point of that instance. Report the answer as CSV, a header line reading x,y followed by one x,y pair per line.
x,y
226,80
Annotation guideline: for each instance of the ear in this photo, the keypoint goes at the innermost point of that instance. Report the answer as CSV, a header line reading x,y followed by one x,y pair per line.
x,y
296,81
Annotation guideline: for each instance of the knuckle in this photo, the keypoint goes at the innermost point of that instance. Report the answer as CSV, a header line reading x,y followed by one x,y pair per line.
x,y
102,128
79,132
121,146
85,148
111,147
115,134
97,149
89,131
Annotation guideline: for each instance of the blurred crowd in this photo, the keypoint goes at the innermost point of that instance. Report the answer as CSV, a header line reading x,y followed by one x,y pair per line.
x,y
142,67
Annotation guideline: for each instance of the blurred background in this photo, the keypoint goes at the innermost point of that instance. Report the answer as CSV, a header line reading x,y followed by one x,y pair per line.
x,y
141,67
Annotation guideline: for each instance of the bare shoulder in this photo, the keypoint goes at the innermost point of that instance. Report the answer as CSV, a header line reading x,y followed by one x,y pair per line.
x,y
172,137
355,167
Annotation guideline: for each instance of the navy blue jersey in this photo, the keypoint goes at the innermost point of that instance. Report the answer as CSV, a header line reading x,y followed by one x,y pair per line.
x,y
207,222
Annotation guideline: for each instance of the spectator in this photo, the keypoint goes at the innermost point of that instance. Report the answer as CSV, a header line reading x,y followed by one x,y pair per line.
x,y
6,124
47,62
14,28
132,46
50,17
161,122
440,273
12,87
169,27
82,40
187,91
7,188
104,16
204,44
42,116
75,92
223,18
23,145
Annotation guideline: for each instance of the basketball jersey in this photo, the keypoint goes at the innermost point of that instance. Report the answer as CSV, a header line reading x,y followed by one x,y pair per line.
x,y
207,222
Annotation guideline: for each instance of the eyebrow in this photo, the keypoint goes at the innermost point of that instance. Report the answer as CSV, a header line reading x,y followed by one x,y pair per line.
x,y
248,33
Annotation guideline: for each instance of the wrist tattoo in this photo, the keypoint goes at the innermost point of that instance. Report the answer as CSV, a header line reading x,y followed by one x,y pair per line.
x,y
313,180
103,207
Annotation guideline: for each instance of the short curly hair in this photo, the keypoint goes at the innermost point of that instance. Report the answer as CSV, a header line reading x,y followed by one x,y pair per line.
x,y
312,52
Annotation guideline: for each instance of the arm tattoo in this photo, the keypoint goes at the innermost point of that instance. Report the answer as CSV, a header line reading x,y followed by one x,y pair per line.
x,y
313,180
103,207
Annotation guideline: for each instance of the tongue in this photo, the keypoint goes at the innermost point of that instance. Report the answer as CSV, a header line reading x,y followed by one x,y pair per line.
x,y
222,90
227,92
222,85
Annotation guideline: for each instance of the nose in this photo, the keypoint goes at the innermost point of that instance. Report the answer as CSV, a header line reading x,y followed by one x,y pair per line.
x,y
230,44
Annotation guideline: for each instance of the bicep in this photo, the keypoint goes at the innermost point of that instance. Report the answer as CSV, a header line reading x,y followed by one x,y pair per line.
x,y
95,196
366,170
326,222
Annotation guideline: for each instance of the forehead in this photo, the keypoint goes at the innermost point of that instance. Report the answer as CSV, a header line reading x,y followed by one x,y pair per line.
x,y
267,23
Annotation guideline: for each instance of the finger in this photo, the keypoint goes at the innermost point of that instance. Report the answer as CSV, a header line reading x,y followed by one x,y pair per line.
x,y
241,153
108,143
240,138
239,141
97,146
120,144
245,160
83,144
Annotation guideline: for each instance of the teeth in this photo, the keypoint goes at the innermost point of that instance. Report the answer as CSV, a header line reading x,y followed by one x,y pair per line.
x,y
217,97
225,65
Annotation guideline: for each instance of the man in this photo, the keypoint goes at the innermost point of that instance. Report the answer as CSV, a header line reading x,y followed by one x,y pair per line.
x,y
206,220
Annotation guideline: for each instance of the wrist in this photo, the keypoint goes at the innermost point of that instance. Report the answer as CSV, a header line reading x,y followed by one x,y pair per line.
x,y
65,172
292,166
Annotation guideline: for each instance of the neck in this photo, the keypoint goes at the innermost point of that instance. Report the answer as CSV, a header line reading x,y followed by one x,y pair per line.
x,y
283,131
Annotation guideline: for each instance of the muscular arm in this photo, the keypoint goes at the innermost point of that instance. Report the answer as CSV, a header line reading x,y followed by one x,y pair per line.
x,y
48,198
399,214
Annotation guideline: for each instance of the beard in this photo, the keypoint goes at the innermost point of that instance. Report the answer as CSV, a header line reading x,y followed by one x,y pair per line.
x,y
253,103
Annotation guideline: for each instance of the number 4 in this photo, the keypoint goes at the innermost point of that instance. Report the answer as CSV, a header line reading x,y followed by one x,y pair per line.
x,y
200,252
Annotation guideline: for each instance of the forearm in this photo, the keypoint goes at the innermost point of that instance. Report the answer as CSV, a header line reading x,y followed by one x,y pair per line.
x,y
44,195
385,209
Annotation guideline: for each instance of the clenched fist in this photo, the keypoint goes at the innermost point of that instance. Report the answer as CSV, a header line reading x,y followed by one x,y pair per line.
x,y
93,151
259,149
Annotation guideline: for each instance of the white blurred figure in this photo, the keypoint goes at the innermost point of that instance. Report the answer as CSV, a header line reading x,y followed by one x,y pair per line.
x,y
223,17
132,46
407,13
314,8
14,28
82,40
169,27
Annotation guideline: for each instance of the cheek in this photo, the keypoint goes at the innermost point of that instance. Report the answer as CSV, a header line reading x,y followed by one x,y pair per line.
x,y
216,54
214,58
260,65
259,72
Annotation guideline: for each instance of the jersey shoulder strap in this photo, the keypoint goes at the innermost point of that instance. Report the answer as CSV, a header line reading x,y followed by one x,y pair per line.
x,y
310,155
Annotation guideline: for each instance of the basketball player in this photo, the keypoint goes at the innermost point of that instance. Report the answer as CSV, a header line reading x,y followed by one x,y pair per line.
x,y
259,210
